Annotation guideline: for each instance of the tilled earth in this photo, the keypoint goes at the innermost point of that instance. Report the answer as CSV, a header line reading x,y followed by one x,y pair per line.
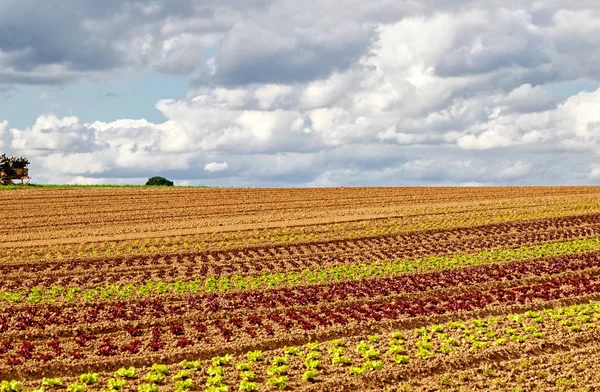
x,y
307,289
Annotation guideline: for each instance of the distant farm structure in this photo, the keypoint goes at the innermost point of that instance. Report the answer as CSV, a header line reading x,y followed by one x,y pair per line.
x,y
13,169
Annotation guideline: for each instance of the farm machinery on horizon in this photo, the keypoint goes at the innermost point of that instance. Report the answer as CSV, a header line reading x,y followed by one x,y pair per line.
x,y
13,169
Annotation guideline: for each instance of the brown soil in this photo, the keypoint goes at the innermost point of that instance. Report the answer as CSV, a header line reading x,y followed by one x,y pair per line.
x,y
462,365
94,237
252,260
96,215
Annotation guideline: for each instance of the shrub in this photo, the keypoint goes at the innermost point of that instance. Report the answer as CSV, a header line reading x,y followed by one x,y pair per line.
x,y
158,181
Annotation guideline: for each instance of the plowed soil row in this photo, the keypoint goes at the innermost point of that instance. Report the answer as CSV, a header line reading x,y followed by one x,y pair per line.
x,y
297,230
167,271
163,225
256,260
168,213
192,208
79,201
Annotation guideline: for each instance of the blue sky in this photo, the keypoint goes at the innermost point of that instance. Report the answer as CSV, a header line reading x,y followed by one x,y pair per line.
x,y
280,93
568,89
134,96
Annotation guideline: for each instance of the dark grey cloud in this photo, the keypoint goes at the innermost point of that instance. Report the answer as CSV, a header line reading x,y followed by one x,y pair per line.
x,y
272,41
61,41
53,32
250,53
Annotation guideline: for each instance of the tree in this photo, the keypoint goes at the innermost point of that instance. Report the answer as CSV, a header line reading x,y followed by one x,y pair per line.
x,y
12,168
159,181
6,166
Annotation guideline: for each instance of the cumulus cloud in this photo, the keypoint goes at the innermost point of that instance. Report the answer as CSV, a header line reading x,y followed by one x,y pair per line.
x,y
53,134
574,124
216,166
322,93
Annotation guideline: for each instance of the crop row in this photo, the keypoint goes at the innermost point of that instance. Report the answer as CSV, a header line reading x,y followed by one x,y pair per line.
x,y
257,260
377,284
571,370
347,272
186,243
238,328
349,357
43,316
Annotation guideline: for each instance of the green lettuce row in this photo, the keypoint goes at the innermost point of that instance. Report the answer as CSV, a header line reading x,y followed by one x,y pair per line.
x,y
291,278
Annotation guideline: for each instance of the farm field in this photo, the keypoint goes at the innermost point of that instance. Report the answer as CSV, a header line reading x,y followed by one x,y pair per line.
x,y
341,289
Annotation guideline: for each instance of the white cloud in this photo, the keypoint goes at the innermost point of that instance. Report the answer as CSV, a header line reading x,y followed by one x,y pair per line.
x,y
272,95
574,124
216,166
356,96
50,133
595,173
76,163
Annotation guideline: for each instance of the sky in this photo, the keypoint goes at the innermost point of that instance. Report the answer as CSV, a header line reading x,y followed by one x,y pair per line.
x,y
274,93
